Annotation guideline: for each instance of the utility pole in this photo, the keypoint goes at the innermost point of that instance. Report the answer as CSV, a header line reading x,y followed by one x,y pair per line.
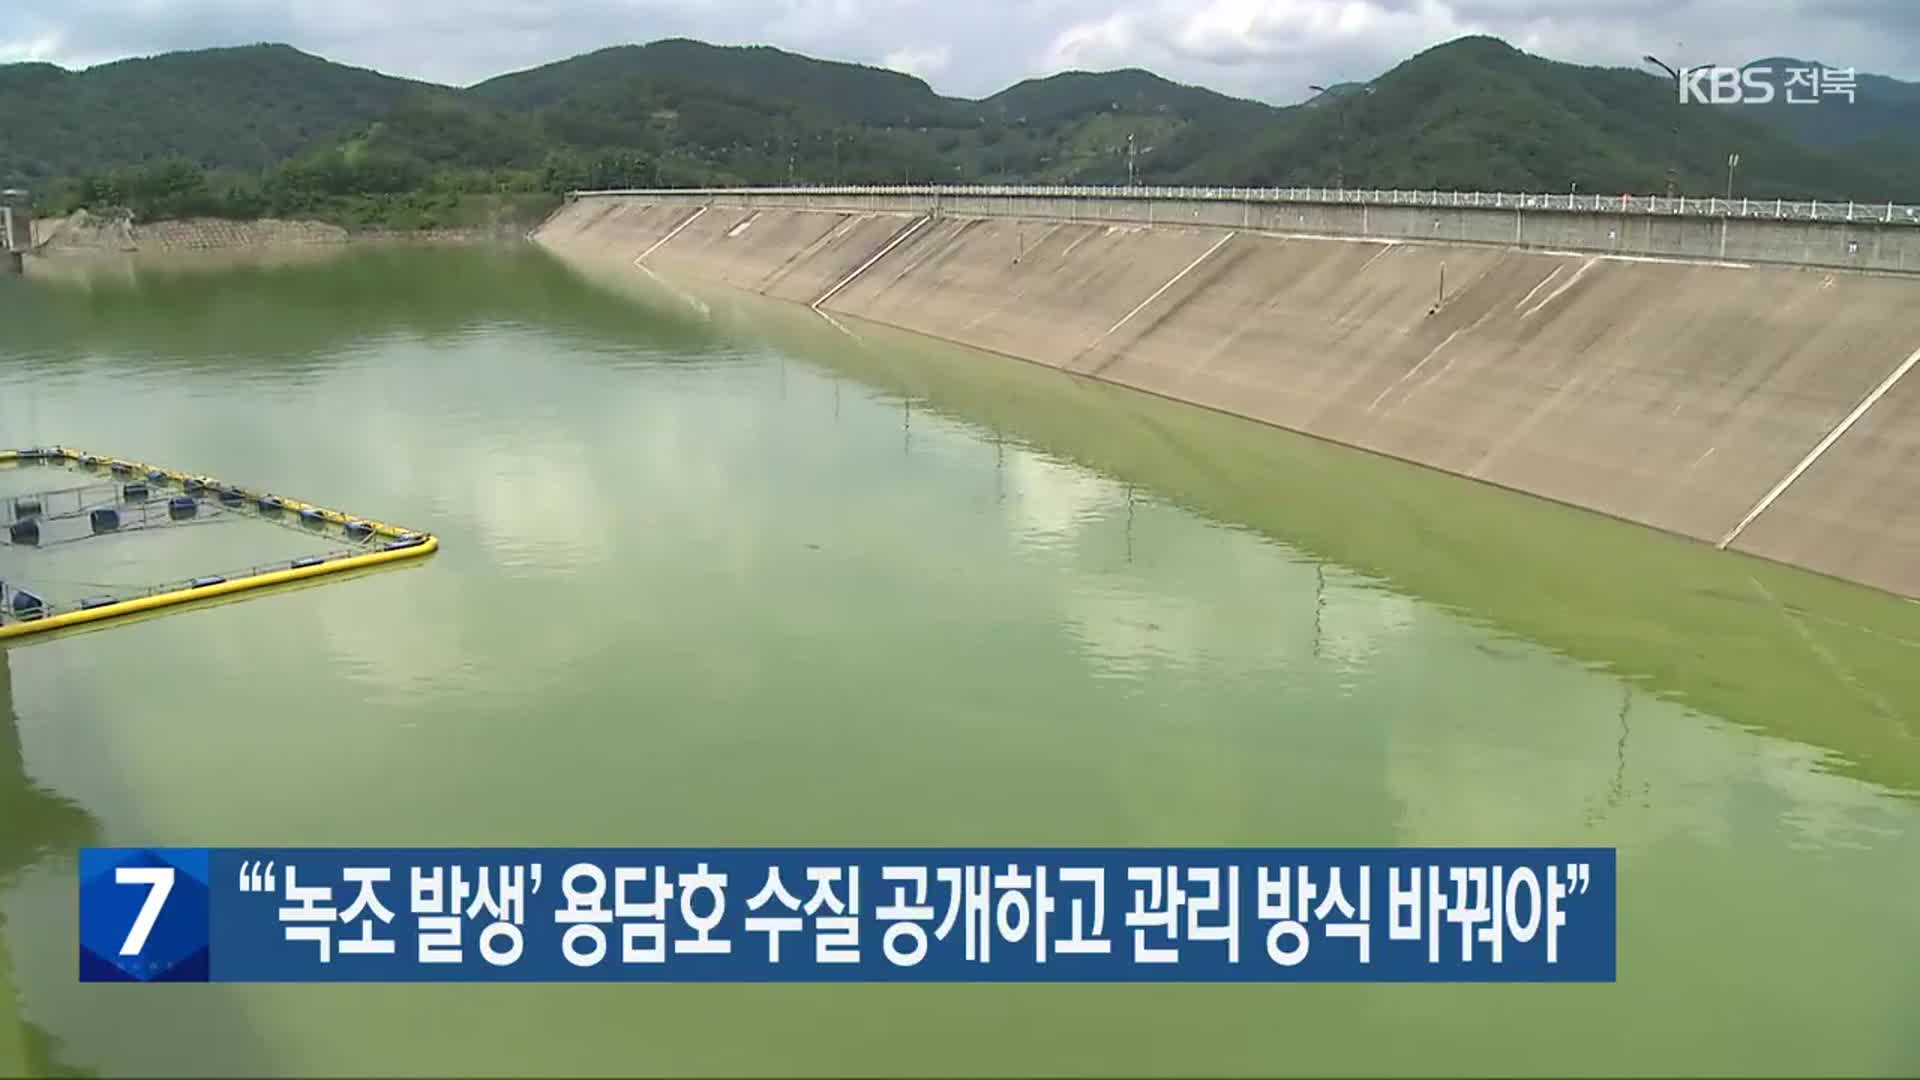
x,y
1003,142
1130,159
1733,162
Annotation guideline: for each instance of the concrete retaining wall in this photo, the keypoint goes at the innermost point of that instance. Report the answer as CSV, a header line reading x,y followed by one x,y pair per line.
x,y
1675,394
1856,245
792,256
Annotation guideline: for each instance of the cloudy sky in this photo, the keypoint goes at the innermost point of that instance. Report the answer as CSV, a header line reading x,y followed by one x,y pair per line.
x,y
1268,49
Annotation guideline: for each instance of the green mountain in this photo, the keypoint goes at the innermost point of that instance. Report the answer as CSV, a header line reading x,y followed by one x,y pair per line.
x,y
706,114
1131,91
685,133
1068,126
1882,114
1477,114
243,108
1084,126
859,94
269,129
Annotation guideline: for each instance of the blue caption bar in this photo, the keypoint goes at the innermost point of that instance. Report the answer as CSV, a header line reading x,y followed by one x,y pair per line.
x,y
847,915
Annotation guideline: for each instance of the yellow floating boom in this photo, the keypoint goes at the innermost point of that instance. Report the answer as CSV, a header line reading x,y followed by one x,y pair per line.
x,y
402,544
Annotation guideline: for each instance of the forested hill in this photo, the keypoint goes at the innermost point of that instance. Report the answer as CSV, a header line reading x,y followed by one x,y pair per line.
x,y
854,92
269,129
250,107
1477,114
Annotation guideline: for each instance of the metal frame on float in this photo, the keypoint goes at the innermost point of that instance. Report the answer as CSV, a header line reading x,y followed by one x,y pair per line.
x,y
372,543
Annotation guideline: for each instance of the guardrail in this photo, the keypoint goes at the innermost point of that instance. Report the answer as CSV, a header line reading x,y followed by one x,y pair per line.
x,y
1889,213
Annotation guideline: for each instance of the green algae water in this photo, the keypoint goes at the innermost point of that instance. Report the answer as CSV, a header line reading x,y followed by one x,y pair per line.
x,y
727,573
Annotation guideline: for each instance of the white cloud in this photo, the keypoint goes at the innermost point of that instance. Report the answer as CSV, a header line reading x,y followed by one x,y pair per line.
x,y
1050,501
923,62
44,47
1268,49
1097,44
1250,29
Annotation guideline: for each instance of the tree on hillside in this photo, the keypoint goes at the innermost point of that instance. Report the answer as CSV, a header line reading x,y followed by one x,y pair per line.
x,y
566,170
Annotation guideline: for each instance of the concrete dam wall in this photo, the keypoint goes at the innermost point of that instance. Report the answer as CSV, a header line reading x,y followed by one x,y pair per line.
x,y
1763,407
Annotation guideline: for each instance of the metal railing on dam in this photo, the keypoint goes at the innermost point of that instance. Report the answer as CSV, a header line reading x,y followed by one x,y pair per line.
x,y
1675,206
1882,238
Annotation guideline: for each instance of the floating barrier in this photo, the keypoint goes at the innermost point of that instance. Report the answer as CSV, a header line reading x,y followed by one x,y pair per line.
x,y
24,612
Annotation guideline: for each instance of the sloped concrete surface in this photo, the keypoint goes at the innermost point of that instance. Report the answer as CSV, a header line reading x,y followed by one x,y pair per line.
x,y
1671,393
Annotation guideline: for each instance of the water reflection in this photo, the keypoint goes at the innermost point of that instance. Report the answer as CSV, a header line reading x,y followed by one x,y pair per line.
x,y
36,826
1808,658
709,581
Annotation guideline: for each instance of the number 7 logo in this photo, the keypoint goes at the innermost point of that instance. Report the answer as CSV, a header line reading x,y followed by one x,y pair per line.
x,y
145,915
159,880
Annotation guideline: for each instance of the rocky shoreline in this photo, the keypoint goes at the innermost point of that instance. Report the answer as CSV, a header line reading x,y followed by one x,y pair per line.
x,y
87,234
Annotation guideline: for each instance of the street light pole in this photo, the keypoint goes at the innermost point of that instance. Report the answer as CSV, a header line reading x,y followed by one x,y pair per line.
x,y
1003,143
1341,106
1129,159
1733,162
1340,148
1672,73
1678,77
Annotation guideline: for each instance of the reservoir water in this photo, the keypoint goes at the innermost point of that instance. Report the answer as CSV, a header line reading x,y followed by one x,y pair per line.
x,y
716,572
